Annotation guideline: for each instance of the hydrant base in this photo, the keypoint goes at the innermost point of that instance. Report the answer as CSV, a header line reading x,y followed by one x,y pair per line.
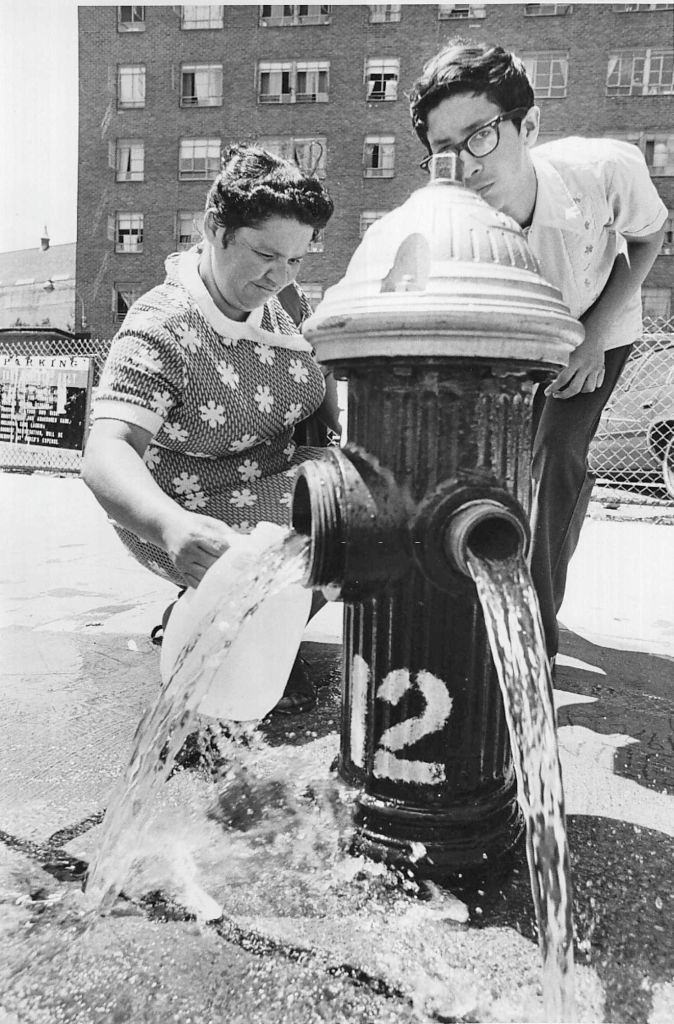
x,y
471,841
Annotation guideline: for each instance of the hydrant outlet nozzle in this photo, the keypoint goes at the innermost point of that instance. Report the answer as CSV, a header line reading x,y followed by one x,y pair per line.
x,y
486,528
355,517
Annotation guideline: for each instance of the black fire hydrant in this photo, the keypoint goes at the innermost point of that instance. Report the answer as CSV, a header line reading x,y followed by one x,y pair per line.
x,y
441,326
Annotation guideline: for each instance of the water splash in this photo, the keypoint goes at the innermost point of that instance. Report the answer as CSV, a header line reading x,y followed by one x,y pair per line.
x,y
293,832
162,730
515,631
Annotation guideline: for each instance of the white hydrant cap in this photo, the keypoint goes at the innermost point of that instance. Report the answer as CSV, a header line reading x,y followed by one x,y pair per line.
x,y
444,275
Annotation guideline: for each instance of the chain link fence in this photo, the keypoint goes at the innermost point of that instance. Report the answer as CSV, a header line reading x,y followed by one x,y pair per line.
x,y
633,447
634,444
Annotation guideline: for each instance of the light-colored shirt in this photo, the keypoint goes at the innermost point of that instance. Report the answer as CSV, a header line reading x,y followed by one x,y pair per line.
x,y
221,398
592,194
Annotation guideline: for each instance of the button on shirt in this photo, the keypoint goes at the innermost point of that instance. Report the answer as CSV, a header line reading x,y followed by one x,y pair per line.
x,y
592,194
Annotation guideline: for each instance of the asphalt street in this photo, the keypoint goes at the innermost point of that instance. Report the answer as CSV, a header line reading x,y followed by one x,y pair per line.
x,y
78,673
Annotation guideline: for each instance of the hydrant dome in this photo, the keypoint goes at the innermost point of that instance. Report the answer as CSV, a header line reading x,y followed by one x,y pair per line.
x,y
444,275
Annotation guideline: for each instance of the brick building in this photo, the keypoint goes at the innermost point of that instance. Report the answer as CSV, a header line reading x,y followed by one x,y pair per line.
x,y
162,89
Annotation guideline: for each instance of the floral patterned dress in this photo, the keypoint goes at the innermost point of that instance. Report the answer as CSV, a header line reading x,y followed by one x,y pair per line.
x,y
221,399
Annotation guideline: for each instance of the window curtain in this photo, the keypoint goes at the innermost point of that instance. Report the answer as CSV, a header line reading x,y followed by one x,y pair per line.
x,y
202,86
124,159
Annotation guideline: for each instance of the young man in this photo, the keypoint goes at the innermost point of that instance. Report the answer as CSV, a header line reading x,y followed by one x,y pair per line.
x,y
595,222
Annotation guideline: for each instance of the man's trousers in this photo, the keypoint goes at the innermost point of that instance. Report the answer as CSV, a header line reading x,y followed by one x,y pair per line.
x,y
562,485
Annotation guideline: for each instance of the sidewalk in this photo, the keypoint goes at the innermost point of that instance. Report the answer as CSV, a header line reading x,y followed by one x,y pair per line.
x,y
78,672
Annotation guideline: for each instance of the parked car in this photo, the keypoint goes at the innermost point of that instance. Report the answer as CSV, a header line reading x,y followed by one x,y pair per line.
x,y
635,439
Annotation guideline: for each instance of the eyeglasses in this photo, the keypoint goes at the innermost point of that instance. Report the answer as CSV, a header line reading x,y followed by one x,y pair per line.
x,y
482,141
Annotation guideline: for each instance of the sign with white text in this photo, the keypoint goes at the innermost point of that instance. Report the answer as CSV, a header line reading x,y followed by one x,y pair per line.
x,y
43,400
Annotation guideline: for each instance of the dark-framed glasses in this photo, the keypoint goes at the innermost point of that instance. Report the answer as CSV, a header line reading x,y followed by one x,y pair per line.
x,y
480,142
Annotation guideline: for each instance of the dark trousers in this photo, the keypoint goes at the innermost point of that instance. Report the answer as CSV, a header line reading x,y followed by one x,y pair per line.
x,y
562,485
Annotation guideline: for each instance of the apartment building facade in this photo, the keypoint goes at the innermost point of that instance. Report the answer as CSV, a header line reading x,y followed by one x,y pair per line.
x,y
164,89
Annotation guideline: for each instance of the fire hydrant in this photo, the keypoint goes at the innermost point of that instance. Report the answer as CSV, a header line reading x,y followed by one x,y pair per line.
x,y
441,326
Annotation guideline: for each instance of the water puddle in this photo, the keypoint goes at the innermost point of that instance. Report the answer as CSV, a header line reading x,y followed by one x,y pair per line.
x,y
516,636
254,848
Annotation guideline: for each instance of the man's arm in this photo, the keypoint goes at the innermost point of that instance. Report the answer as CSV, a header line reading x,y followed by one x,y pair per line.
x,y
585,372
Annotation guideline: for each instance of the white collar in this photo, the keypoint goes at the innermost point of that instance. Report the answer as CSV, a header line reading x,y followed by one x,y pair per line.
x,y
186,264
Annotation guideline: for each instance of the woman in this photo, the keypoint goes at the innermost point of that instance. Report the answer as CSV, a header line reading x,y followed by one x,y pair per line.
x,y
207,380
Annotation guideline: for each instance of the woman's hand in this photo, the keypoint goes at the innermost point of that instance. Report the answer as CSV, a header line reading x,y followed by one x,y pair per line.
x,y
115,472
194,542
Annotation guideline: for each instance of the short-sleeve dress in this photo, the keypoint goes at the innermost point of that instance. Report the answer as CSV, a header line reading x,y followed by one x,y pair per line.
x,y
220,397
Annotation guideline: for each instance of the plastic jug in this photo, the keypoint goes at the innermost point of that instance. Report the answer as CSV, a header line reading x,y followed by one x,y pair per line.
x,y
255,668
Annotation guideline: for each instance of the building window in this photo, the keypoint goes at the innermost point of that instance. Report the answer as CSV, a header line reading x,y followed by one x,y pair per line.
x,y
124,294
189,228
129,159
640,73
280,15
314,292
198,159
656,301
548,72
379,156
461,11
128,232
318,243
384,13
668,240
367,219
637,8
131,19
131,85
658,150
659,153
312,82
274,82
201,16
381,78
293,81
308,153
201,85
540,10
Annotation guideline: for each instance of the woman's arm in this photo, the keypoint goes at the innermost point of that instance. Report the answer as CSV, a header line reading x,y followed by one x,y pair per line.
x,y
114,471
328,411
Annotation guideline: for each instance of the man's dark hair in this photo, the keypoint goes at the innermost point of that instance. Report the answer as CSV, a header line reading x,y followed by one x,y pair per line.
x,y
463,66
254,185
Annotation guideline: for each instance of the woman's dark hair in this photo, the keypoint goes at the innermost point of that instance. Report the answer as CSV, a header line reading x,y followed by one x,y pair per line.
x,y
463,66
254,185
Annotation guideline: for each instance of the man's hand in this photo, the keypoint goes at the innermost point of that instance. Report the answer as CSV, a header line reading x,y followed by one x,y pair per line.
x,y
584,374
194,542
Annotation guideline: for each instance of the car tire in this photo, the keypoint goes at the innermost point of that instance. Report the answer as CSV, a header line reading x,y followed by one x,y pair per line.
x,y
668,466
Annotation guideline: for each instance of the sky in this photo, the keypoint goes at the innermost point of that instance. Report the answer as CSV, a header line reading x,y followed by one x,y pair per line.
x,y
38,122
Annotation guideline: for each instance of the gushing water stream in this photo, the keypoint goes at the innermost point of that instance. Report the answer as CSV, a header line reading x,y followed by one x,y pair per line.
x,y
516,636
162,731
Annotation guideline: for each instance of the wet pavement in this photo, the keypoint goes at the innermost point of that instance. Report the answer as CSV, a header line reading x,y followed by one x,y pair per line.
x,y
78,672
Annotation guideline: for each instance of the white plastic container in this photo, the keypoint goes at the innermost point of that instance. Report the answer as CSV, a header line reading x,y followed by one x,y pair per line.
x,y
254,670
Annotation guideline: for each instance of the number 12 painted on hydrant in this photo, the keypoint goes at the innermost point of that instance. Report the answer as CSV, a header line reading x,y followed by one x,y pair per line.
x,y
389,762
